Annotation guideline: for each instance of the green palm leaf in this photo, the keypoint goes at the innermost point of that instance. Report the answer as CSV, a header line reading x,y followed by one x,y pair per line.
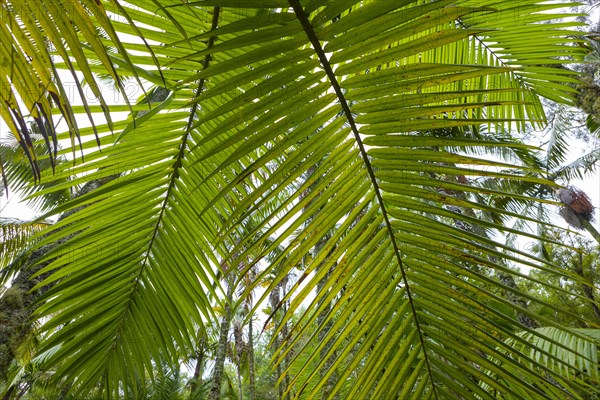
x,y
259,92
16,240
573,354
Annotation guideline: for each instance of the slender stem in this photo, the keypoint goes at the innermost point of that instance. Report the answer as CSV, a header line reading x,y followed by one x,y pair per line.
x,y
587,225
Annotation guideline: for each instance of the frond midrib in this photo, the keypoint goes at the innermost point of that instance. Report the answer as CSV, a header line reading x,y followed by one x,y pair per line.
x,y
177,165
316,45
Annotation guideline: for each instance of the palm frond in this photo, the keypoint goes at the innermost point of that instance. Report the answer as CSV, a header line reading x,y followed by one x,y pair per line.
x,y
572,354
579,168
16,241
260,92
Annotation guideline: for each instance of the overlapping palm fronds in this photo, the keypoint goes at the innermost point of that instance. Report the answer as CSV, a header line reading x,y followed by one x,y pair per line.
x,y
259,92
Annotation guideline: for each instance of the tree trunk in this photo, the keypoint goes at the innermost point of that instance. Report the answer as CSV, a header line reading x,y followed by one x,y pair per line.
x,y
196,381
239,378
251,361
275,298
239,349
217,377
284,334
